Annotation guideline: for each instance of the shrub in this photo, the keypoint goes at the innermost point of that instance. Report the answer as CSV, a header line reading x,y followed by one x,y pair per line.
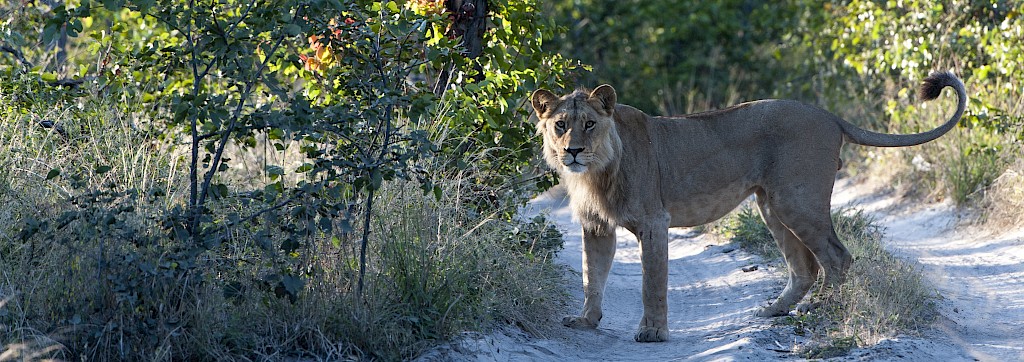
x,y
91,274
145,233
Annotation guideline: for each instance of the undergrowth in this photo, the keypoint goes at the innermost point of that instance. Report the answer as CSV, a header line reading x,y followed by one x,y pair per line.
x,y
882,296
88,271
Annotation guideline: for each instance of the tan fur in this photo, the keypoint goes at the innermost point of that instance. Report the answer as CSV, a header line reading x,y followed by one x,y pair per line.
x,y
647,174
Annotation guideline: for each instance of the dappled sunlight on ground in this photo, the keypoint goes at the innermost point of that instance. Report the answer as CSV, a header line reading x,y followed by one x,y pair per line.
x,y
979,273
712,300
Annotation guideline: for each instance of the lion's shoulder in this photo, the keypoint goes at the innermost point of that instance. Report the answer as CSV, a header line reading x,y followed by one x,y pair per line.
x,y
630,120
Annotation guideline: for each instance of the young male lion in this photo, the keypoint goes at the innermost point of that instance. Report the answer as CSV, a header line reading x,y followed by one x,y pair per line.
x,y
622,167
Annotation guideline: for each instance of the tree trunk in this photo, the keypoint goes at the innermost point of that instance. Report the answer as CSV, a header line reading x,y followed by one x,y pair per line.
x,y
469,21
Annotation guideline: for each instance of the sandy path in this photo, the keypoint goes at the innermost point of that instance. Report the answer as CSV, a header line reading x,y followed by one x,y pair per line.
x,y
979,274
711,300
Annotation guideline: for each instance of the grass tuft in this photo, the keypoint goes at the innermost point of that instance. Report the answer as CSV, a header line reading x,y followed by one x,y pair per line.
x,y
882,296
1004,200
746,228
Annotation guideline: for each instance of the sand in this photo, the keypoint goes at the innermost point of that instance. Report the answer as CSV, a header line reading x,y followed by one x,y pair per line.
x,y
979,274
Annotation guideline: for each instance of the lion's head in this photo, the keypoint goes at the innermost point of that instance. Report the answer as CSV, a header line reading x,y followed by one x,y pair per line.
x,y
578,129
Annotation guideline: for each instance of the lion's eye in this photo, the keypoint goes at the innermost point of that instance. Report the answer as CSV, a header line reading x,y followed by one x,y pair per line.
x,y
560,124
590,124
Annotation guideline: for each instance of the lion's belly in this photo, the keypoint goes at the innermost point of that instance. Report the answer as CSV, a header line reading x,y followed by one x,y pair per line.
x,y
699,209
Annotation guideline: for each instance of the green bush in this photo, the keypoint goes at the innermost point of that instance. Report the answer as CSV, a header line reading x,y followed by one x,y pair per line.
x,y
266,180
862,60
91,274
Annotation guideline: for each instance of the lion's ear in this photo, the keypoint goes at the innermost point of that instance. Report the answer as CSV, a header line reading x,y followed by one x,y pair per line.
x,y
603,98
543,101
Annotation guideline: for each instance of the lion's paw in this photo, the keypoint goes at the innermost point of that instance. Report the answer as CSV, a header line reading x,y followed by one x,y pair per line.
x,y
804,308
651,334
771,311
578,322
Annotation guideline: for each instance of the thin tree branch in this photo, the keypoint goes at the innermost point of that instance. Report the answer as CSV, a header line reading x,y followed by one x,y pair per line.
x,y
17,54
254,215
236,115
193,175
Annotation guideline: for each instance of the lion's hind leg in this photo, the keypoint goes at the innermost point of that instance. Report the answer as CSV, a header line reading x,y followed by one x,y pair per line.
x,y
810,243
803,267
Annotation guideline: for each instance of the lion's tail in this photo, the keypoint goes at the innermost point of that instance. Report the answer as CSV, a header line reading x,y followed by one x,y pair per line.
x,y
930,89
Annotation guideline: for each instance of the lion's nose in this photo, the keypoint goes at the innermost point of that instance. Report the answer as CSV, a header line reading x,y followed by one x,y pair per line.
x,y
574,151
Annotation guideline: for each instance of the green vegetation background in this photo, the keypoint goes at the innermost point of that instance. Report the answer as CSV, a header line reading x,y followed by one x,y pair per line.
x,y
339,178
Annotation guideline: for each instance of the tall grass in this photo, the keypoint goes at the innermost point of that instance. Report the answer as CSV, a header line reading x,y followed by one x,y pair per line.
x,y
1005,200
882,296
436,266
50,288
962,164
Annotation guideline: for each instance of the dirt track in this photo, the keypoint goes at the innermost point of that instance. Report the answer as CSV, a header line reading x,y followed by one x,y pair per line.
x,y
712,300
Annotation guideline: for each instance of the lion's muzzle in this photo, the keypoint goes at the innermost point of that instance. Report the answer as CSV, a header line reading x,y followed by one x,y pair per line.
x,y
573,161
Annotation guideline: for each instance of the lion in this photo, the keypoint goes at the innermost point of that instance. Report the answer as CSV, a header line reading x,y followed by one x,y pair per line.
x,y
622,167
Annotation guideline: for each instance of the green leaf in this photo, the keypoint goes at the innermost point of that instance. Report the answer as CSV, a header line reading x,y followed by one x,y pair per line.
x,y
274,171
113,5
271,191
102,169
289,286
53,173
179,233
50,30
219,191
346,227
293,284
290,244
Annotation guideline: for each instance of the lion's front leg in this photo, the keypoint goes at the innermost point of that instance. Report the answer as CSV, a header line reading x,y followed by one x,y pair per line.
x,y
598,253
654,259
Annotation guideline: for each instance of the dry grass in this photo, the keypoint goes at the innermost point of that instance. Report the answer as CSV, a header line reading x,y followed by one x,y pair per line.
x,y
883,295
435,267
1004,201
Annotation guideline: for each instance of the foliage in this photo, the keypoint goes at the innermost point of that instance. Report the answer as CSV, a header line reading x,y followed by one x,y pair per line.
x,y
860,59
290,119
671,57
894,45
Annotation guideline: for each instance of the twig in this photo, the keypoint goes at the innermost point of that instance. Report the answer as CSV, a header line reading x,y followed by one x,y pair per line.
x,y
258,213
20,57
17,55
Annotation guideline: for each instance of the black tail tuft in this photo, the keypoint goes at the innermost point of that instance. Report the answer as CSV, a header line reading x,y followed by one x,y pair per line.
x,y
932,86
